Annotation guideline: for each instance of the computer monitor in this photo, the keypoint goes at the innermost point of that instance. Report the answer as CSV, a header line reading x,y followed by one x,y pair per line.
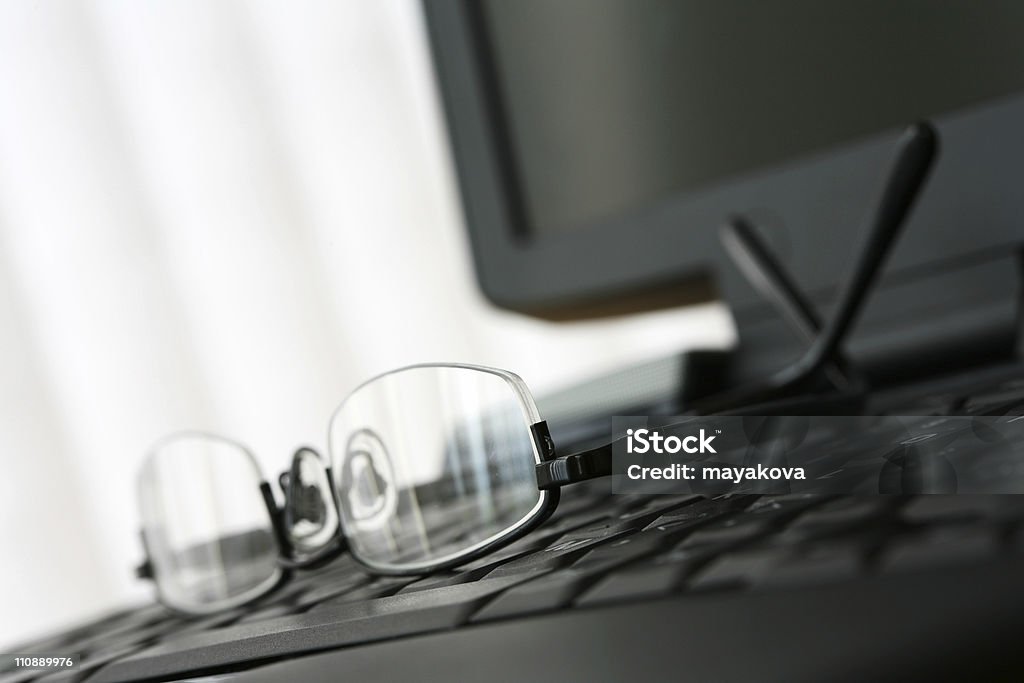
x,y
600,144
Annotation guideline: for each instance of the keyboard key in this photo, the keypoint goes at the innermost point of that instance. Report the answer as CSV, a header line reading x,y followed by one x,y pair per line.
x,y
331,587
380,587
697,514
548,592
557,589
626,549
778,508
268,612
662,504
634,584
562,553
726,533
217,620
842,511
632,521
735,570
343,624
530,544
451,578
557,526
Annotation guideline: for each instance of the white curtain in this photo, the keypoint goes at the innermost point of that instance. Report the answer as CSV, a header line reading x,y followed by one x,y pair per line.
x,y
222,216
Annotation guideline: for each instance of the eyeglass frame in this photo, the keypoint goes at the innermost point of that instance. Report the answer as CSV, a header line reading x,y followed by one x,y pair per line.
x,y
552,473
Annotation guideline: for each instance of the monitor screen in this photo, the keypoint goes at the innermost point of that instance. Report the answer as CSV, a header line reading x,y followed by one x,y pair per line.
x,y
610,105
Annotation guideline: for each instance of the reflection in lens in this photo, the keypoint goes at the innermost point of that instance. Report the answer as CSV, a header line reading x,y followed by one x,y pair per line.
x,y
207,530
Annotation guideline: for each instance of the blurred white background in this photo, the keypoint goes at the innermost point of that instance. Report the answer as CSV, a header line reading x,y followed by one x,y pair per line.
x,y
223,216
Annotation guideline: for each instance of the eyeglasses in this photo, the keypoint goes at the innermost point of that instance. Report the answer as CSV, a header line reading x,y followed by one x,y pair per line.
x,y
435,465
431,466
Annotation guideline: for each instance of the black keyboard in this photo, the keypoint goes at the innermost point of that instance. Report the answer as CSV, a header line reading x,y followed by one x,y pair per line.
x,y
598,550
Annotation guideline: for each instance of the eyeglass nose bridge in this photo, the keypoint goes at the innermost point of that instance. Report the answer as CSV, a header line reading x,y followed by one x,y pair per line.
x,y
370,496
309,500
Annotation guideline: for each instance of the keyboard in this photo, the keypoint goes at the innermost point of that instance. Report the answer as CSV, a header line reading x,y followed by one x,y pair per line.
x,y
598,553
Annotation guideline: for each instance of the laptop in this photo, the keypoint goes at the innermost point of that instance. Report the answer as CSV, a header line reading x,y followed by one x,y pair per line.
x,y
616,157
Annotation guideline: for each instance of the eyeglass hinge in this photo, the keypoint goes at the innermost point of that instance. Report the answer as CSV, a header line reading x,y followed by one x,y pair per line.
x,y
570,469
542,437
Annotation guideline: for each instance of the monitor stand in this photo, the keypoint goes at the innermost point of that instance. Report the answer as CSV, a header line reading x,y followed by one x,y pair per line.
x,y
706,381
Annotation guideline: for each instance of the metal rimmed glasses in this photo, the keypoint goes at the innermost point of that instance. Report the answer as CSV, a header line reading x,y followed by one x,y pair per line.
x,y
431,466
